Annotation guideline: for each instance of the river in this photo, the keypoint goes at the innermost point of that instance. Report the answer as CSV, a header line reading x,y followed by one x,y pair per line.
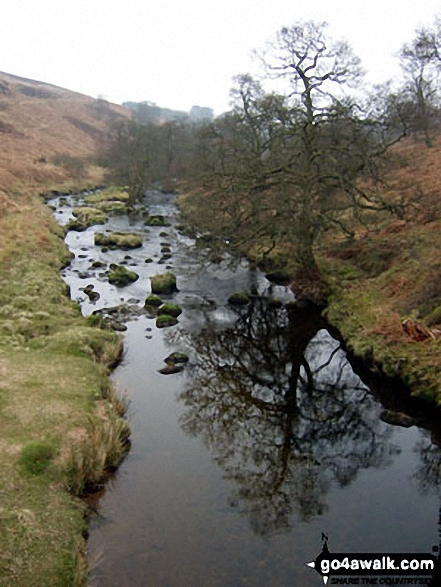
x,y
266,440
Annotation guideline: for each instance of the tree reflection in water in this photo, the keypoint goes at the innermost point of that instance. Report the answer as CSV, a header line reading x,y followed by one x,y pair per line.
x,y
281,410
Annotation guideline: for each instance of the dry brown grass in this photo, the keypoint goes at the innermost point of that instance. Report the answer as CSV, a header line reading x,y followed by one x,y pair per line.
x,y
38,121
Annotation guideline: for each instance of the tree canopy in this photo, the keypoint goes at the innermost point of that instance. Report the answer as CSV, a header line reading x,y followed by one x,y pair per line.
x,y
290,166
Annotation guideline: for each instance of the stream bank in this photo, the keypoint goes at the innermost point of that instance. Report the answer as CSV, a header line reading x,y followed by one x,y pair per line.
x,y
54,392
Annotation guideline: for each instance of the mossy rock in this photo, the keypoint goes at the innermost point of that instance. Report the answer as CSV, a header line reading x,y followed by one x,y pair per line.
x,y
85,217
122,276
163,283
89,215
157,220
153,300
108,195
77,225
165,320
149,260
239,299
91,293
170,309
119,240
112,207
97,265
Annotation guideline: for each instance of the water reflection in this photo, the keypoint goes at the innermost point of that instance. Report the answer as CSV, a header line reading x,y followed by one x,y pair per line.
x,y
283,413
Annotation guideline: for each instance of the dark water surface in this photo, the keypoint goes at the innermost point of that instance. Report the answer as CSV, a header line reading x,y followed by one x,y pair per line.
x,y
265,440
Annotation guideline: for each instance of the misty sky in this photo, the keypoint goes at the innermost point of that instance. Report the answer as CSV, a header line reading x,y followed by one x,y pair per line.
x,y
178,53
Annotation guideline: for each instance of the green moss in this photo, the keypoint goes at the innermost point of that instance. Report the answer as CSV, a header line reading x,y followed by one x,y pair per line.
x,y
108,195
85,217
170,309
54,367
119,240
153,300
165,320
36,457
122,276
163,283
111,207
157,220
434,317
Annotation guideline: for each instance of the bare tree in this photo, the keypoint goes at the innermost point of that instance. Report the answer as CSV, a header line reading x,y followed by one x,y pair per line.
x,y
287,168
421,63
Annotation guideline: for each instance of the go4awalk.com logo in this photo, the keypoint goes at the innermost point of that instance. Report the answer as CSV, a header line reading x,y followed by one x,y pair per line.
x,y
377,568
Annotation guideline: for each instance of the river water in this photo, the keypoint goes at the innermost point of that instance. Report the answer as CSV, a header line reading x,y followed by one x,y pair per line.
x,y
263,442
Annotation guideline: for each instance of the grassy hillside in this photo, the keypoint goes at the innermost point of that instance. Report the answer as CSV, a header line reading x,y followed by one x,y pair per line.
x,y
39,121
387,283
60,419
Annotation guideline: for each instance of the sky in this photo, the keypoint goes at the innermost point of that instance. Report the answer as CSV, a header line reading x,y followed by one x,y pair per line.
x,y
180,53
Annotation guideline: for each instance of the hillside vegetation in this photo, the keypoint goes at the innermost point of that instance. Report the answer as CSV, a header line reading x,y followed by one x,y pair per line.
x,y
60,419
386,284
39,121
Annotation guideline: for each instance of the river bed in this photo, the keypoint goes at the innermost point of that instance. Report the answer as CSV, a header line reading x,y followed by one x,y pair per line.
x,y
266,439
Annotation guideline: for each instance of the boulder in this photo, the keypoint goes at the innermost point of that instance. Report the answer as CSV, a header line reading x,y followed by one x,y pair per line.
x,y
163,283
153,300
157,220
170,309
165,320
119,240
122,276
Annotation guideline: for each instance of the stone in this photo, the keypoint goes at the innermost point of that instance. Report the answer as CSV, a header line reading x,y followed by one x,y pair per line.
x,y
165,320
119,240
122,276
153,300
170,309
163,283
177,357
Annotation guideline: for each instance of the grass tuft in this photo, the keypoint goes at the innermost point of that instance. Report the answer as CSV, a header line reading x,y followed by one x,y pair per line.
x,y
36,457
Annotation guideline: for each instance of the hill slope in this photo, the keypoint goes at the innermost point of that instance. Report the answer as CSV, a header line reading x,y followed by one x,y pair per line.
x,y
39,120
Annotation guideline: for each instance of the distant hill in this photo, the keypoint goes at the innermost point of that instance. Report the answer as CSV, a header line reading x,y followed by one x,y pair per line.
x,y
39,120
148,112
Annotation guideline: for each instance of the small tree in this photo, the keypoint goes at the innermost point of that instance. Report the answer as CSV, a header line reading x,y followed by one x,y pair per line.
x,y
420,62
75,166
127,157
